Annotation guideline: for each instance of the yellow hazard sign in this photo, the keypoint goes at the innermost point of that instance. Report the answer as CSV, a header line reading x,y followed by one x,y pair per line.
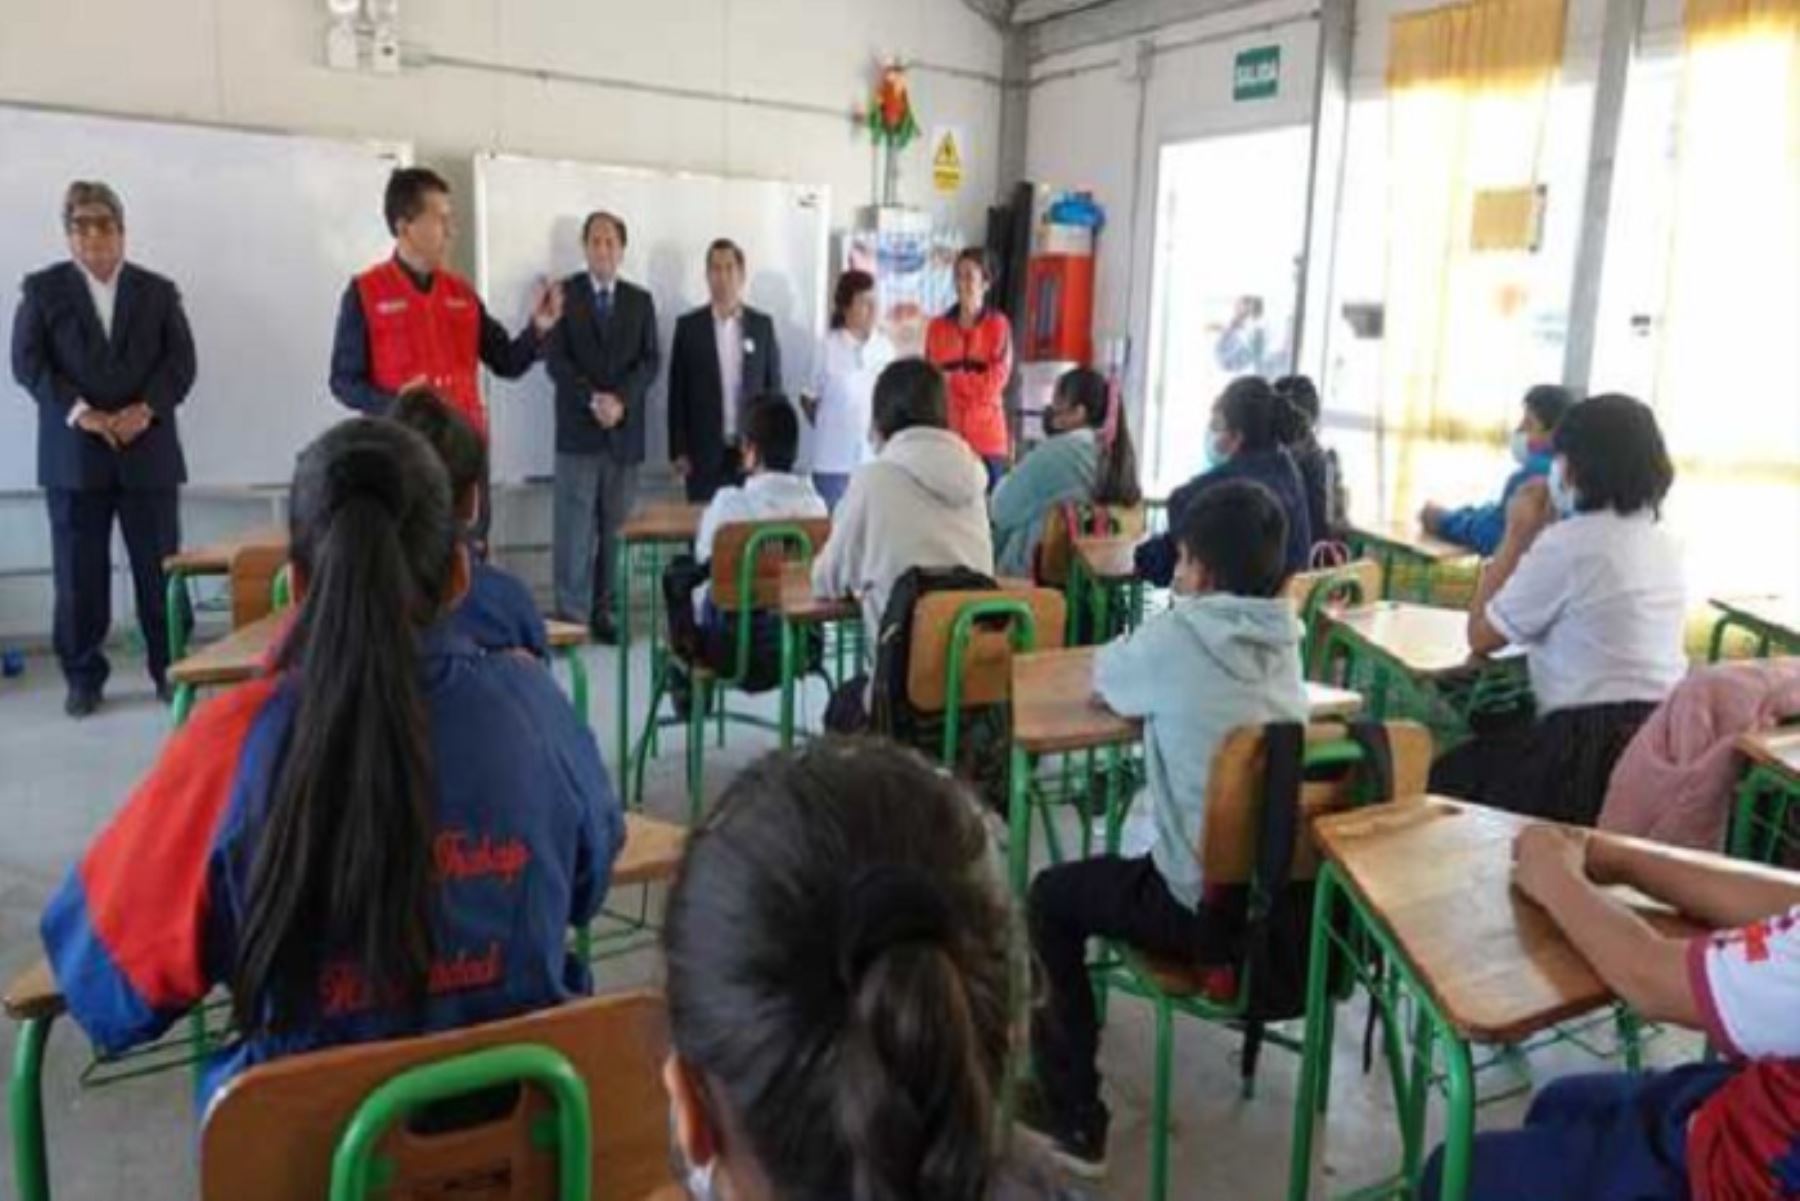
x,y
947,160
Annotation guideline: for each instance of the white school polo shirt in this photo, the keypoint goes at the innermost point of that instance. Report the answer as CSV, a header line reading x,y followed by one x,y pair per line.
x,y
844,382
1599,604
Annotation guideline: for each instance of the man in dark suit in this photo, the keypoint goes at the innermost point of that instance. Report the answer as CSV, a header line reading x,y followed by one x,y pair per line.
x,y
724,357
603,357
103,347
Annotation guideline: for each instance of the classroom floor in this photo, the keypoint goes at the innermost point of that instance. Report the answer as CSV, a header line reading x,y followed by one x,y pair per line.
x,y
59,781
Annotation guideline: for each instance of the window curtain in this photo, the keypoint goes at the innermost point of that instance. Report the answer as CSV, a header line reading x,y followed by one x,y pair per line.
x,y
1469,93
1727,385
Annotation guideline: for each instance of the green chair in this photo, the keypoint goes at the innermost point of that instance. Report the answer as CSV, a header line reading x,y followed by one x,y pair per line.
x,y
1316,592
564,1103
1230,842
1765,818
747,562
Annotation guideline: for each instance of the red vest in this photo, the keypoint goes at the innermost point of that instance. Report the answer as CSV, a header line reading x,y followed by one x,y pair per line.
x,y
433,335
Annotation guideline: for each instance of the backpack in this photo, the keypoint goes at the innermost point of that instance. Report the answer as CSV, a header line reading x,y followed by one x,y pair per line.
x,y
714,645
982,758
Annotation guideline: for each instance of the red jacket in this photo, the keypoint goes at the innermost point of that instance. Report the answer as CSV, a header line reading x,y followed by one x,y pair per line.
x,y
978,362
435,334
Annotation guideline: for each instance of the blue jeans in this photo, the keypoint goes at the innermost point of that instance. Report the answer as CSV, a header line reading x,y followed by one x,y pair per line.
x,y
831,485
1605,1137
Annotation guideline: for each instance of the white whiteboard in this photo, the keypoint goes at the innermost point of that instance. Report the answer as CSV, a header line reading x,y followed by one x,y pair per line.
x,y
260,231
528,225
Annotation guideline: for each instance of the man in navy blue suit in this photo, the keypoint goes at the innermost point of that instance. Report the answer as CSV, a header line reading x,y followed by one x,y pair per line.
x,y
103,347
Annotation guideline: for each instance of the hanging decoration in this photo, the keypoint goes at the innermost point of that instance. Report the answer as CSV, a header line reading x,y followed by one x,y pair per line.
x,y
892,125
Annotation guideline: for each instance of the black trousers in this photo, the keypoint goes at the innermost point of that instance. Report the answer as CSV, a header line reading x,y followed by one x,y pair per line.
x,y
1102,897
81,522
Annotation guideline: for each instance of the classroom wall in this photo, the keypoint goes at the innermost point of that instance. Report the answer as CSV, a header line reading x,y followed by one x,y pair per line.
x,y
1092,126
761,88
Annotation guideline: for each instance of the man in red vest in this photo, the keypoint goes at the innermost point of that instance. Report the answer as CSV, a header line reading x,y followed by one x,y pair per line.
x,y
411,322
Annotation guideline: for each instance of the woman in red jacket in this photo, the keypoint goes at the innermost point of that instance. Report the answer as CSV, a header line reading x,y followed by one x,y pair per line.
x,y
972,345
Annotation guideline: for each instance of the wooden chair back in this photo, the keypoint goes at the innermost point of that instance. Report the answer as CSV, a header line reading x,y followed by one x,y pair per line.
x,y
271,1133
253,570
987,666
1066,522
1364,574
729,544
1234,796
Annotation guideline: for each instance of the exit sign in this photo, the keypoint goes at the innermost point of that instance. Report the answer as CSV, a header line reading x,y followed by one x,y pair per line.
x,y
1258,74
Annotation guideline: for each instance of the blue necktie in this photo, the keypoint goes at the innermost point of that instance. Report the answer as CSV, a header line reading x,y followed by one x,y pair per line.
x,y
603,304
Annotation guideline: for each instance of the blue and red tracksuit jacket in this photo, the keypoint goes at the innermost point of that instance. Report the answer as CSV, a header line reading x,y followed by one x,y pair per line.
x,y
528,826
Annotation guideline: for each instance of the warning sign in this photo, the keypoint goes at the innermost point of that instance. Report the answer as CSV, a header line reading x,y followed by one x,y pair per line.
x,y
947,160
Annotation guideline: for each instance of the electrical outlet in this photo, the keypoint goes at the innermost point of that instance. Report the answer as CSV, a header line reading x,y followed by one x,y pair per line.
x,y
385,49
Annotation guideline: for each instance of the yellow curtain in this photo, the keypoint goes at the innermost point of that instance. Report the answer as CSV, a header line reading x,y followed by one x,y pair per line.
x,y
1469,89
1728,370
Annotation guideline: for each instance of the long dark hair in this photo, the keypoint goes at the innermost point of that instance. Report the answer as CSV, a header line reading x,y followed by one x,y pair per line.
x,y
342,868
1116,481
1249,407
837,946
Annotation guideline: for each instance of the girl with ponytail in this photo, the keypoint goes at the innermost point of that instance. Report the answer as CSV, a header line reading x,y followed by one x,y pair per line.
x,y
1086,456
388,834
838,949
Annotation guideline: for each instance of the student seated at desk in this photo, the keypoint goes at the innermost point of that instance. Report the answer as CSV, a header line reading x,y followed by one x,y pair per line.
x,y
838,981
389,834
1725,1131
498,613
1590,584
1480,527
922,501
1226,654
1086,457
768,446
1243,443
1322,481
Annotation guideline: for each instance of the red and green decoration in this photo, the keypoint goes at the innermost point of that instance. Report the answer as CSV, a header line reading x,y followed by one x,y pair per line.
x,y
891,121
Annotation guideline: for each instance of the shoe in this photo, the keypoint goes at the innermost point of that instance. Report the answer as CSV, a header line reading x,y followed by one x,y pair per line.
x,y
81,702
165,692
604,631
681,694
1077,1148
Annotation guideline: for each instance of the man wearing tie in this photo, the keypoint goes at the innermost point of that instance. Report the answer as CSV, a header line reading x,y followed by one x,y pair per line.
x,y
103,347
603,358
724,357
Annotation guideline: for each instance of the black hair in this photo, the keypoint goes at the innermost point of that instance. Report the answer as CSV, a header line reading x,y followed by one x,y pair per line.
x,y
910,392
458,446
1116,481
1237,530
587,226
1616,455
850,285
342,869
1302,394
1549,404
1249,408
838,962
976,255
771,427
407,188
728,246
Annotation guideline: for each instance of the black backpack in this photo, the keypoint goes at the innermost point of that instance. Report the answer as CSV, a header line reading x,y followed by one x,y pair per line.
x,y
982,756
1276,911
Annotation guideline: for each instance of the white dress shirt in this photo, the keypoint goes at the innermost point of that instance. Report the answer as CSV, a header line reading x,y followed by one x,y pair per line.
x,y
105,295
728,332
844,375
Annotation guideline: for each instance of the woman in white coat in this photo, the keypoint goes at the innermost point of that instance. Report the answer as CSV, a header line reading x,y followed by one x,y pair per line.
x,y
838,402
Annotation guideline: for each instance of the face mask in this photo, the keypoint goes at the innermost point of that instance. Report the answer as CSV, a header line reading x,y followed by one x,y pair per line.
x,y
701,1182
1216,455
1050,429
1562,497
1521,447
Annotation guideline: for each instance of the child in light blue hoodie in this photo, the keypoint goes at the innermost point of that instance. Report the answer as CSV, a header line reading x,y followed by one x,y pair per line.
x,y
1226,654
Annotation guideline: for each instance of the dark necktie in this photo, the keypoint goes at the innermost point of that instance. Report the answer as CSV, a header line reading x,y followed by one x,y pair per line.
x,y
603,305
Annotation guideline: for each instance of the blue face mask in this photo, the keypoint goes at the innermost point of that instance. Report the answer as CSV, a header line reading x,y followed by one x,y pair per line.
x,y
1562,497
1215,454
1521,447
